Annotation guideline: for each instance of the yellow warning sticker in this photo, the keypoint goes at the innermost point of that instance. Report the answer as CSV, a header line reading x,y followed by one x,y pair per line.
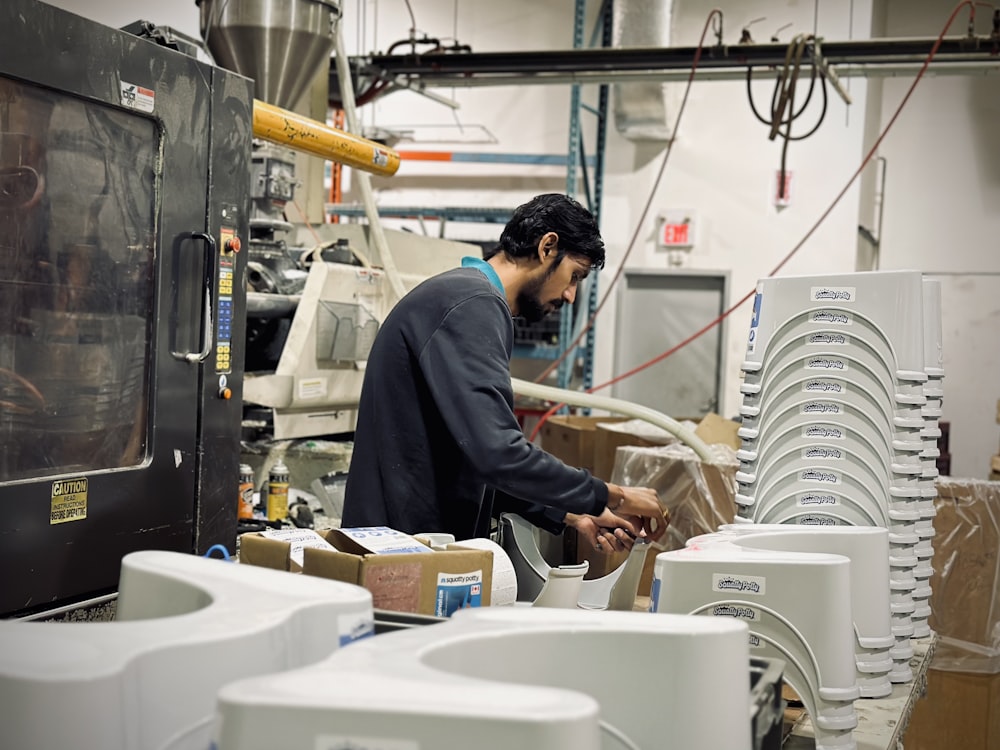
x,y
69,500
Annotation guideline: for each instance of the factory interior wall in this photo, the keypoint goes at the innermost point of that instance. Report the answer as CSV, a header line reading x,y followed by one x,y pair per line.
x,y
942,215
941,178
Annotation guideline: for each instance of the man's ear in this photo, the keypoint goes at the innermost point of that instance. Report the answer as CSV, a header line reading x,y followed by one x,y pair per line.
x,y
547,245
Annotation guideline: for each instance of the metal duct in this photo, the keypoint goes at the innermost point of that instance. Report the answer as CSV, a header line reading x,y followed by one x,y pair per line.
x,y
281,44
640,108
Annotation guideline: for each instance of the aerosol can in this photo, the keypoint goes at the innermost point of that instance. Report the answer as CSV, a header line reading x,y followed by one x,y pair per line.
x,y
277,492
245,507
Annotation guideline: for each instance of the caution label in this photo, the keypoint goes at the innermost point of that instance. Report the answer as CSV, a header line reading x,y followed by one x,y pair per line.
x,y
69,500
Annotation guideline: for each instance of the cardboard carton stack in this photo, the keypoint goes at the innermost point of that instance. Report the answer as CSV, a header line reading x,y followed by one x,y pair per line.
x,y
962,705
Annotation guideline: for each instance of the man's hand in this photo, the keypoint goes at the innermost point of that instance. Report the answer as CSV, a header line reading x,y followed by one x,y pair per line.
x,y
606,532
641,506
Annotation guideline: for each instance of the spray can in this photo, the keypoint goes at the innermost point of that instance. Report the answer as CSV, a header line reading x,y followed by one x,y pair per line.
x,y
277,492
245,507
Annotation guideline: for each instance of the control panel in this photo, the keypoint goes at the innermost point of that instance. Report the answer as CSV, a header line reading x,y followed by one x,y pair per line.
x,y
229,246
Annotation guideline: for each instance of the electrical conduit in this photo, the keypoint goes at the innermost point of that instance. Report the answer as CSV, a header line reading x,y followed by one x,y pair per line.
x,y
618,406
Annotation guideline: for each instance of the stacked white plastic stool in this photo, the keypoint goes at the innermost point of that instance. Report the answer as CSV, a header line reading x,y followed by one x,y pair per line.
x,y
797,607
832,416
931,412
185,627
867,548
501,677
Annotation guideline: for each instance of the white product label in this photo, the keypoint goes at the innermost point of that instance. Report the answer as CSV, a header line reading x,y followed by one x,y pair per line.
x,y
353,742
826,363
823,452
137,97
827,339
833,294
457,591
818,521
354,626
384,541
820,407
824,386
298,540
310,389
827,431
819,476
729,583
831,317
807,499
739,611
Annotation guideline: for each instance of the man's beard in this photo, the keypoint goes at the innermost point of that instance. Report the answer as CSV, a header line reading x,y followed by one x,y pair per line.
x,y
529,305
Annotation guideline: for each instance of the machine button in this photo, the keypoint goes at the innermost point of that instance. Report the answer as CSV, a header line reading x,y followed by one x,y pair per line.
x,y
225,394
234,244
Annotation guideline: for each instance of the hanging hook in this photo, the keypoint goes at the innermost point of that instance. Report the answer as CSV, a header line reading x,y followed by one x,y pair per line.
x,y
745,37
774,37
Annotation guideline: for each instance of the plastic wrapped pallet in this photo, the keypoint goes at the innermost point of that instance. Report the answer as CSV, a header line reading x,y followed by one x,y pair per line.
x,y
962,704
965,606
699,495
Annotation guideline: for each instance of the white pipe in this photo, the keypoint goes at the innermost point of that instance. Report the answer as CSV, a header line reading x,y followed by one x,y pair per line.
x,y
617,405
363,178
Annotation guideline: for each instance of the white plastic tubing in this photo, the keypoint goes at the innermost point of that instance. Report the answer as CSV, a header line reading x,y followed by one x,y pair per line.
x,y
618,406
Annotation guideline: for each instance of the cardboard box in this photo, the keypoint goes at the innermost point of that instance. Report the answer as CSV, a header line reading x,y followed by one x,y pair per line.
x,y
571,439
430,583
608,438
960,710
716,430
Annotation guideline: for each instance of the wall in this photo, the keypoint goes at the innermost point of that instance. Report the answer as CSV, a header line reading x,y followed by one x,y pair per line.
x,y
941,216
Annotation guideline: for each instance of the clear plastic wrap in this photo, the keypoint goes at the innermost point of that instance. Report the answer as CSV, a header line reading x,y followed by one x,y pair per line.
x,y
965,605
700,496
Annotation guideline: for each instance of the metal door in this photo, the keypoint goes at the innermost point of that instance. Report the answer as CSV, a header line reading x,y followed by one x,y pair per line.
x,y
656,311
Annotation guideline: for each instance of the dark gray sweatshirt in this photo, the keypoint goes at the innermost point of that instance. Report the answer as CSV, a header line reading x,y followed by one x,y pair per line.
x,y
436,426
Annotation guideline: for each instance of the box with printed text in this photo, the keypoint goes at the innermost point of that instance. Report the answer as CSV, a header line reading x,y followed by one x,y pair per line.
x,y
402,574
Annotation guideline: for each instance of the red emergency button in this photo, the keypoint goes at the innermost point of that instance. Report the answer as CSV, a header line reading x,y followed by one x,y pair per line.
x,y
234,244
225,393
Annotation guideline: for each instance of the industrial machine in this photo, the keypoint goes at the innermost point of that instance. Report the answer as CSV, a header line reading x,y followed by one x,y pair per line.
x,y
124,194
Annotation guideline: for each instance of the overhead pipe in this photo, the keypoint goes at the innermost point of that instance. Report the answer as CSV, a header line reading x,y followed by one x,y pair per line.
x,y
617,64
300,133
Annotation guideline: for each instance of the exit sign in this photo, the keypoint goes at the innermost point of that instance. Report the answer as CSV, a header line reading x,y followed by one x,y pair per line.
x,y
676,231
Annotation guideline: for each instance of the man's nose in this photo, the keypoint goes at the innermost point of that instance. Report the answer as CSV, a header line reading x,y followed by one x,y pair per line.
x,y
570,294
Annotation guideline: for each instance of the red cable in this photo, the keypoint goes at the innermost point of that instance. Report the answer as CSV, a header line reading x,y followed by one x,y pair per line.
x,y
794,250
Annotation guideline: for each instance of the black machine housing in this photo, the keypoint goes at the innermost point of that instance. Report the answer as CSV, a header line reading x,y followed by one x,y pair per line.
x,y
124,203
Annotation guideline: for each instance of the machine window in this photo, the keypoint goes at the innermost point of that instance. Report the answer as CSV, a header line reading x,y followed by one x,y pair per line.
x,y
77,237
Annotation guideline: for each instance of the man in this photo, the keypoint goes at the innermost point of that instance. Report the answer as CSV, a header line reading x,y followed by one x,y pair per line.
x,y
437,434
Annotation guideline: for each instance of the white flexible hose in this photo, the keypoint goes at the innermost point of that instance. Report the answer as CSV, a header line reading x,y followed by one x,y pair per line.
x,y
363,178
618,406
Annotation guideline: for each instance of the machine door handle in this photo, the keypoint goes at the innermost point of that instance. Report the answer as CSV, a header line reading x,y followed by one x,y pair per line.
x,y
206,318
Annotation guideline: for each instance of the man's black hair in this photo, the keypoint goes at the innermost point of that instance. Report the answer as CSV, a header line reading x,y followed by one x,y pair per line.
x,y
552,212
